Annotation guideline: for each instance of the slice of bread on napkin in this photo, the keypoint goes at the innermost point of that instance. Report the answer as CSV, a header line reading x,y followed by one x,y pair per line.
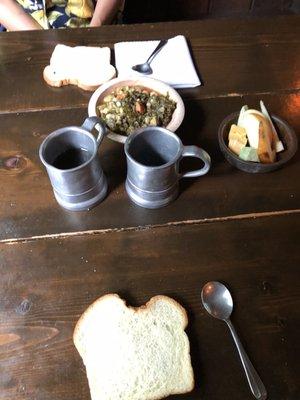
x,y
86,67
135,353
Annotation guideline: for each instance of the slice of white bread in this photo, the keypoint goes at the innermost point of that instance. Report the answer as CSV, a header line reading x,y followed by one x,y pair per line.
x,y
135,353
86,67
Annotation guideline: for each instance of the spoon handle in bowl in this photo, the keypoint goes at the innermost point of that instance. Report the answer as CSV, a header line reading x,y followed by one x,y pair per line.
x,y
257,387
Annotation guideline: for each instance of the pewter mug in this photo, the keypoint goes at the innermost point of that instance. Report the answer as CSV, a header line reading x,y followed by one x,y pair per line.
x,y
153,155
70,155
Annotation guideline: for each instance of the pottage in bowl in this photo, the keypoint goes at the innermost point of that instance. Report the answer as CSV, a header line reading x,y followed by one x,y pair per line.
x,y
148,84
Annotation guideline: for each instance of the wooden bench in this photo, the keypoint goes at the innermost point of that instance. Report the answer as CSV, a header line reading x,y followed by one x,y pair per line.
x,y
137,11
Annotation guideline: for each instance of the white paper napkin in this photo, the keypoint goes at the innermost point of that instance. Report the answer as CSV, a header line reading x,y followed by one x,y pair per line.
x,y
173,64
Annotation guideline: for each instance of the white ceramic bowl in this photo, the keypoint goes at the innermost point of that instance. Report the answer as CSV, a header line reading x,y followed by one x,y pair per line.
x,y
150,83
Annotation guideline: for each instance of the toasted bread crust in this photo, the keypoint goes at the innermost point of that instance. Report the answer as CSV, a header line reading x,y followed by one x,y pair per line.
x,y
48,77
141,308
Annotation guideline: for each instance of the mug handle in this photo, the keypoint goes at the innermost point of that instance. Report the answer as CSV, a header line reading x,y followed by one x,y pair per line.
x,y
90,123
194,151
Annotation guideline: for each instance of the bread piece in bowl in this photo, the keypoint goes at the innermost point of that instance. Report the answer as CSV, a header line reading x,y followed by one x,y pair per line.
x,y
266,145
135,353
260,135
237,138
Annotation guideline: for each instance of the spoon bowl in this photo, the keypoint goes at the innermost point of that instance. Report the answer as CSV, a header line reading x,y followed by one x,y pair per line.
x,y
145,67
217,300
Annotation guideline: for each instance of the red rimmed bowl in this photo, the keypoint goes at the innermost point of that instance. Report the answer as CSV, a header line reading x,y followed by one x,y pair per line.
x,y
148,83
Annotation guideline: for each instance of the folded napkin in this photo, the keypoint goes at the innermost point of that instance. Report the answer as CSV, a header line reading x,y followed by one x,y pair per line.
x,y
173,64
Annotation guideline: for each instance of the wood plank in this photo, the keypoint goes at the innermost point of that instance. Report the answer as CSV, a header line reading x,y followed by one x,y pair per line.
x,y
269,7
262,5
293,5
169,10
28,207
227,8
47,284
232,56
178,10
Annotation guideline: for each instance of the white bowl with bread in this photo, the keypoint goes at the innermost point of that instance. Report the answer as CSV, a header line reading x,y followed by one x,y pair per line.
x,y
115,87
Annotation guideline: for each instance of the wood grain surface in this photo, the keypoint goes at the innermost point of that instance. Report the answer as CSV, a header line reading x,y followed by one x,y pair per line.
x,y
47,284
28,207
233,57
239,228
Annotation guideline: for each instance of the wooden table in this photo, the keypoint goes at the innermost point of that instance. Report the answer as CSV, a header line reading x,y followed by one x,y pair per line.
x,y
238,228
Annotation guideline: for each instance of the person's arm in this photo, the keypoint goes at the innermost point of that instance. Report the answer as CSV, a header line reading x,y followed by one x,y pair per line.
x,y
105,12
14,17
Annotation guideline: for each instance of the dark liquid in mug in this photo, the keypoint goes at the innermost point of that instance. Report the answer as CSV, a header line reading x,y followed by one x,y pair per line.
x,y
71,158
150,158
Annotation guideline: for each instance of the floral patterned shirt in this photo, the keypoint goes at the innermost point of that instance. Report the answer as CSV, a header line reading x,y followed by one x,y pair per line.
x,y
60,13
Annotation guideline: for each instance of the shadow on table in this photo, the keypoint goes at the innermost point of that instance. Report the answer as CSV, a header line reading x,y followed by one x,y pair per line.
x,y
193,131
114,164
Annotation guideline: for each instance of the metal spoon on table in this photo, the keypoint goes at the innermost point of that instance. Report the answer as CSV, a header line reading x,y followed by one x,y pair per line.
x,y
217,301
145,67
